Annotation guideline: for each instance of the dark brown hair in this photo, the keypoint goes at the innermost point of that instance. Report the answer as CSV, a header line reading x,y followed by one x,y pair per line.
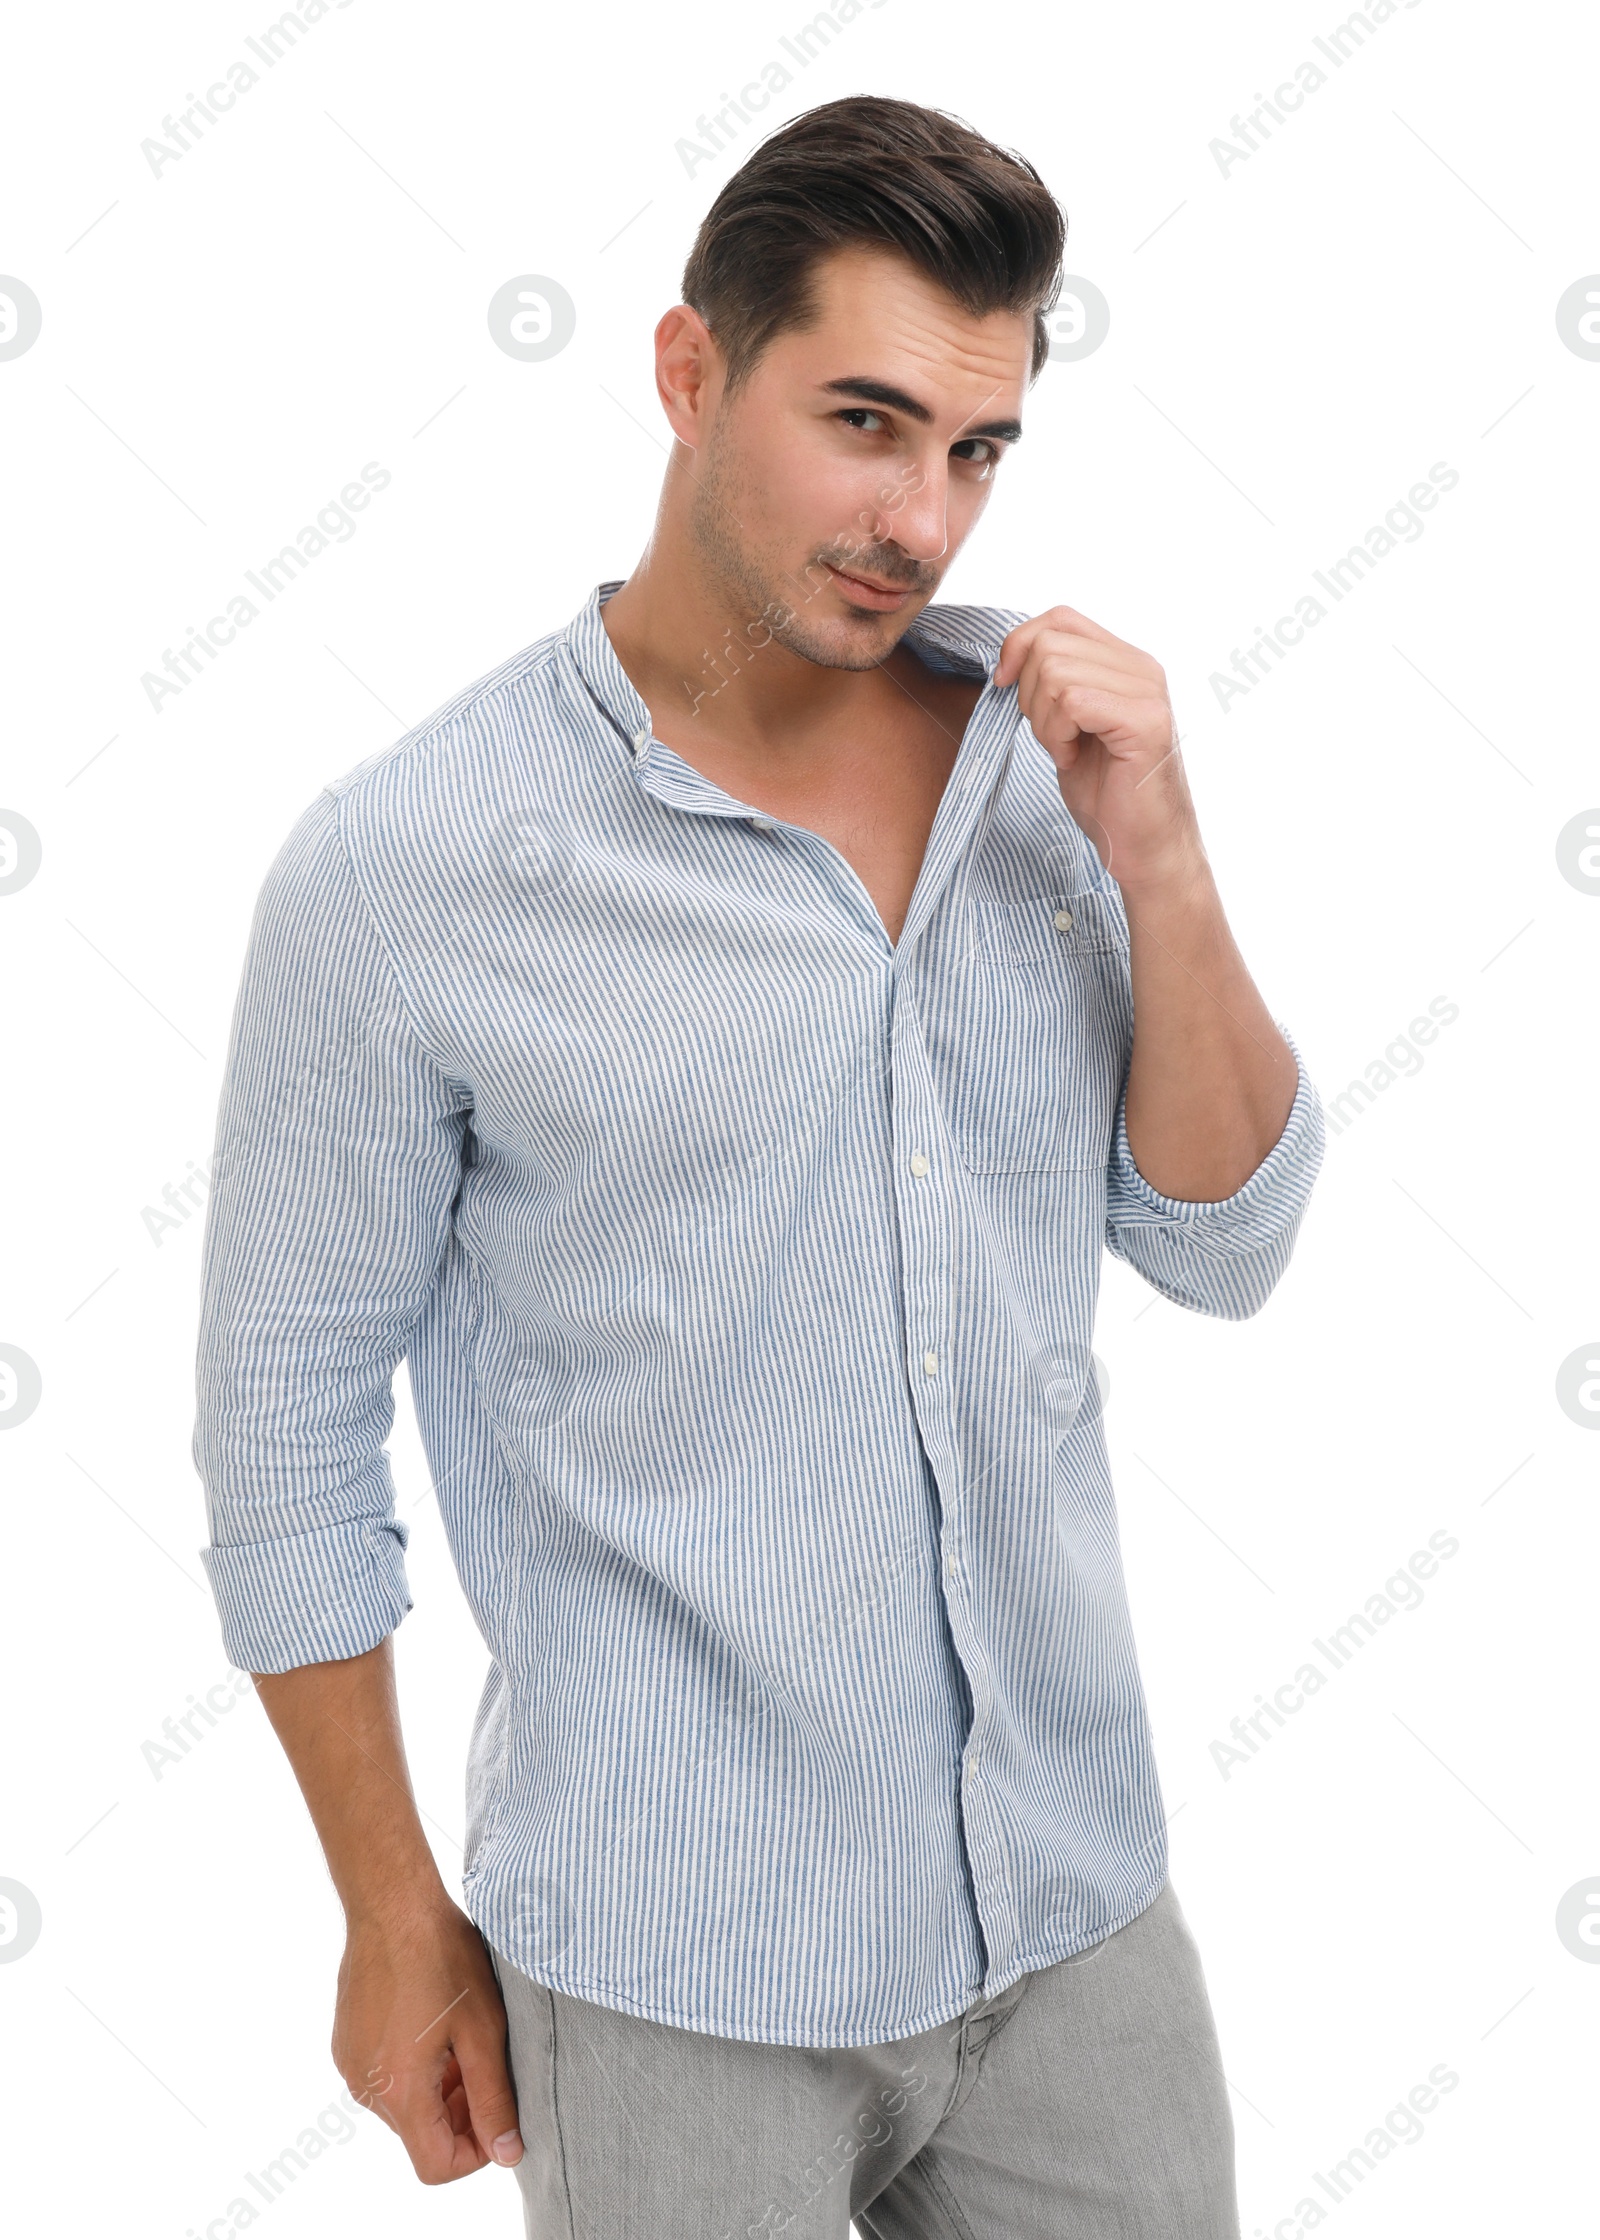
x,y
975,218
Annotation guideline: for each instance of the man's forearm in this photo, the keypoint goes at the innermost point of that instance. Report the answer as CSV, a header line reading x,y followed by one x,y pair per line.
x,y
1211,1079
339,1724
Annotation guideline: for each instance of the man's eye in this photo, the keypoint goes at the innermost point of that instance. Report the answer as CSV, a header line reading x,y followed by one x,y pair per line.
x,y
974,451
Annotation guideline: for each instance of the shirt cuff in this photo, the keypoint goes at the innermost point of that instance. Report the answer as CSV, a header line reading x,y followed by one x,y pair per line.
x,y
331,1593
1264,1203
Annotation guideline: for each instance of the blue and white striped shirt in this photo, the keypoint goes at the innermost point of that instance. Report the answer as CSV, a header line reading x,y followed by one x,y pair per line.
x,y
745,1263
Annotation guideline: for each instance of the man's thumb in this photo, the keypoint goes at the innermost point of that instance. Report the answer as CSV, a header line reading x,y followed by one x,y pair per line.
x,y
491,2102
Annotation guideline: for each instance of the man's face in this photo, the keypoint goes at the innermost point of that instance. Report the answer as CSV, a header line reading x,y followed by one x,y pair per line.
x,y
866,444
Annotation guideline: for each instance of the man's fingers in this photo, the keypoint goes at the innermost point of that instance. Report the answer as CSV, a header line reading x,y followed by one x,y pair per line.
x,y
1071,618
1062,626
1014,649
1052,693
1054,673
457,2109
414,2109
434,2128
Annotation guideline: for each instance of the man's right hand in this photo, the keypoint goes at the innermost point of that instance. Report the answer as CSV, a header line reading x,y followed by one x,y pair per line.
x,y
419,2036
419,2033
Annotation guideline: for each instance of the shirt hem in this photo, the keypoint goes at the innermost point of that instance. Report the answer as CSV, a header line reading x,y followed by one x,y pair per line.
x,y
599,1993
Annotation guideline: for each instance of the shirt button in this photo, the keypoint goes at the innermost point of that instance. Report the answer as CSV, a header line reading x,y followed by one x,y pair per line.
x,y
1063,921
641,739
919,1162
762,824
930,1362
950,1564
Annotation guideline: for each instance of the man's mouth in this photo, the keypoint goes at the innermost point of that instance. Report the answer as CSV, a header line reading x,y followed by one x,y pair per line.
x,y
867,593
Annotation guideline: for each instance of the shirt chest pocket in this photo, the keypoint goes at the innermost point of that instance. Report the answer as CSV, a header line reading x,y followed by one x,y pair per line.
x,y
1039,1035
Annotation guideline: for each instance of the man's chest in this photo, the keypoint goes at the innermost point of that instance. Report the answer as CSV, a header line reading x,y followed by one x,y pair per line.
x,y
876,803
882,833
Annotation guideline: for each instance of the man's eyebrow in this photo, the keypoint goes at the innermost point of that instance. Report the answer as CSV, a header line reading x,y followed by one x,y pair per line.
x,y
896,400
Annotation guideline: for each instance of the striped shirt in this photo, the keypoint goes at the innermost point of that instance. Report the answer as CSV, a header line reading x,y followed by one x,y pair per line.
x,y
745,1265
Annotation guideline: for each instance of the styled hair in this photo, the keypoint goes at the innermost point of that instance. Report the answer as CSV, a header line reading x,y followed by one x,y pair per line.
x,y
975,218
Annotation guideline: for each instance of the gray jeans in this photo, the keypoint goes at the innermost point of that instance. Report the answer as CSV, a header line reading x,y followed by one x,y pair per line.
x,y
1087,2102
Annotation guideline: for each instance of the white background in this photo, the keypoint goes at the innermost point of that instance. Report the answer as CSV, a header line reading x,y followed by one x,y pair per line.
x,y
1291,347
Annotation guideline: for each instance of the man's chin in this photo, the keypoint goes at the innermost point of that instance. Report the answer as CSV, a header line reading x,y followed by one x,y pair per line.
x,y
858,641
835,632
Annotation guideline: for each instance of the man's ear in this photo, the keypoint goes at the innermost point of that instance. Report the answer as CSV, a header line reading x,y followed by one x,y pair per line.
x,y
690,372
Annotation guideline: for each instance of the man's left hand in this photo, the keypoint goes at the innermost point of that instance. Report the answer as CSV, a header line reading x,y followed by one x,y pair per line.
x,y
1099,708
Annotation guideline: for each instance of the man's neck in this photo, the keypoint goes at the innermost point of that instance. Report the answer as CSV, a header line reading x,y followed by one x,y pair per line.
x,y
747,694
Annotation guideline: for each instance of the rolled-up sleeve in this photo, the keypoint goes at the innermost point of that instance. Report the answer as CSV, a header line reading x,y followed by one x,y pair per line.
x,y
1221,1257
337,1159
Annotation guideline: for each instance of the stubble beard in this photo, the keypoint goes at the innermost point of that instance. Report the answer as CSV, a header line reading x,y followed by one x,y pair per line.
x,y
759,596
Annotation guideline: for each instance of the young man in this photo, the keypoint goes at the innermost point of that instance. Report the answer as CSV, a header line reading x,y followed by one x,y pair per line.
x,y
715,1050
